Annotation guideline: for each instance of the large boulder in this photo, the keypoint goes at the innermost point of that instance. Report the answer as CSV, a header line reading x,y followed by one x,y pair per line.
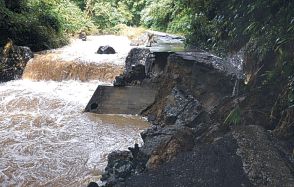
x,y
13,60
122,164
105,50
119,167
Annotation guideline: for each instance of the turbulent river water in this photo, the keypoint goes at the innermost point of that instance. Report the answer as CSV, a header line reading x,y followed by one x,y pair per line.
x,y
47,140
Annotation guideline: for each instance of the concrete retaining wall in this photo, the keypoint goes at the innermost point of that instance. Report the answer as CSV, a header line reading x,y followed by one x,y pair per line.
x,y
120,100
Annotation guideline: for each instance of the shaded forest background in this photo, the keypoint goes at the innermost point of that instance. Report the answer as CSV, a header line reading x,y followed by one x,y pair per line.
x,y
263,30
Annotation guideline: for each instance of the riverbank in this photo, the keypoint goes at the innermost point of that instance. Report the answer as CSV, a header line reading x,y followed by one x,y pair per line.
x,y
198,137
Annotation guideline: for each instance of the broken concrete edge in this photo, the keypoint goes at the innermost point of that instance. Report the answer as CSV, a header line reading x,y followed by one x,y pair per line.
x,y
211,61
120,100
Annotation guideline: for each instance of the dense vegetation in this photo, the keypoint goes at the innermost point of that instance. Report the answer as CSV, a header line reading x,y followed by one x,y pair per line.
x,y
41,24
262,29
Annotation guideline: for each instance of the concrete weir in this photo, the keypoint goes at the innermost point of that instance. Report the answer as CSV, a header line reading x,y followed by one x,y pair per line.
x,y
120,100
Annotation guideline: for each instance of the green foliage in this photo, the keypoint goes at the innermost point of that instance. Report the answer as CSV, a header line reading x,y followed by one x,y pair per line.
x,y
41,24
234,24
105,15
80,3
28,29
62,14
108,13
234,116
167,15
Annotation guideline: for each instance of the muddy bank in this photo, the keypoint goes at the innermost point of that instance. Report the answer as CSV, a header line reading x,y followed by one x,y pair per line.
x,y
192,141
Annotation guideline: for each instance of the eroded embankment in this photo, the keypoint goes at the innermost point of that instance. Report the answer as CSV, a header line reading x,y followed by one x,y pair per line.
x,y
189,144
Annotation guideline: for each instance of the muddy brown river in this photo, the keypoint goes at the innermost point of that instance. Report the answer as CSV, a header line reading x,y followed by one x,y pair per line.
x,y
47,140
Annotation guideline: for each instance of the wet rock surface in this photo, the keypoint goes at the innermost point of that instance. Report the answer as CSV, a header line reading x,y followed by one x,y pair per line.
x,y
13,60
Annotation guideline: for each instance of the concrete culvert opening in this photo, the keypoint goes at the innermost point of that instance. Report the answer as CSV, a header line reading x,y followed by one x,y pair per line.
x,y
94,106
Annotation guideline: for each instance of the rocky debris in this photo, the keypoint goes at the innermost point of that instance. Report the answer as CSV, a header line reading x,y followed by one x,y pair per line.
x,y
137,56
119,81
181,108
243,157
105,50
119,167
122,164
83,36
13,60
142,66
163,144
214,164
160,146
177,112
137,62
137,73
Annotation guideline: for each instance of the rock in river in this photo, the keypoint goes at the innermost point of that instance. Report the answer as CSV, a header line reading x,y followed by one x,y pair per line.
x,y
106,50
13,60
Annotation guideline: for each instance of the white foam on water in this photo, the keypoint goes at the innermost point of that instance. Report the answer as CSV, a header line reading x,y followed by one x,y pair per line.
x,y
46,139
85,51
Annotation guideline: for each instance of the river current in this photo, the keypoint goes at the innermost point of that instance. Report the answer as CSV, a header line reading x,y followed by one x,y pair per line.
x,y
47,140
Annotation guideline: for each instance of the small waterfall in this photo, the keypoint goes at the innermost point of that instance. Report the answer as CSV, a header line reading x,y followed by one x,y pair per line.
x,y
79,61
237,60
46,67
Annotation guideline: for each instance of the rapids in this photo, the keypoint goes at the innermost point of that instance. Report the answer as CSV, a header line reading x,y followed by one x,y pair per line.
x,y
47,140
79,60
